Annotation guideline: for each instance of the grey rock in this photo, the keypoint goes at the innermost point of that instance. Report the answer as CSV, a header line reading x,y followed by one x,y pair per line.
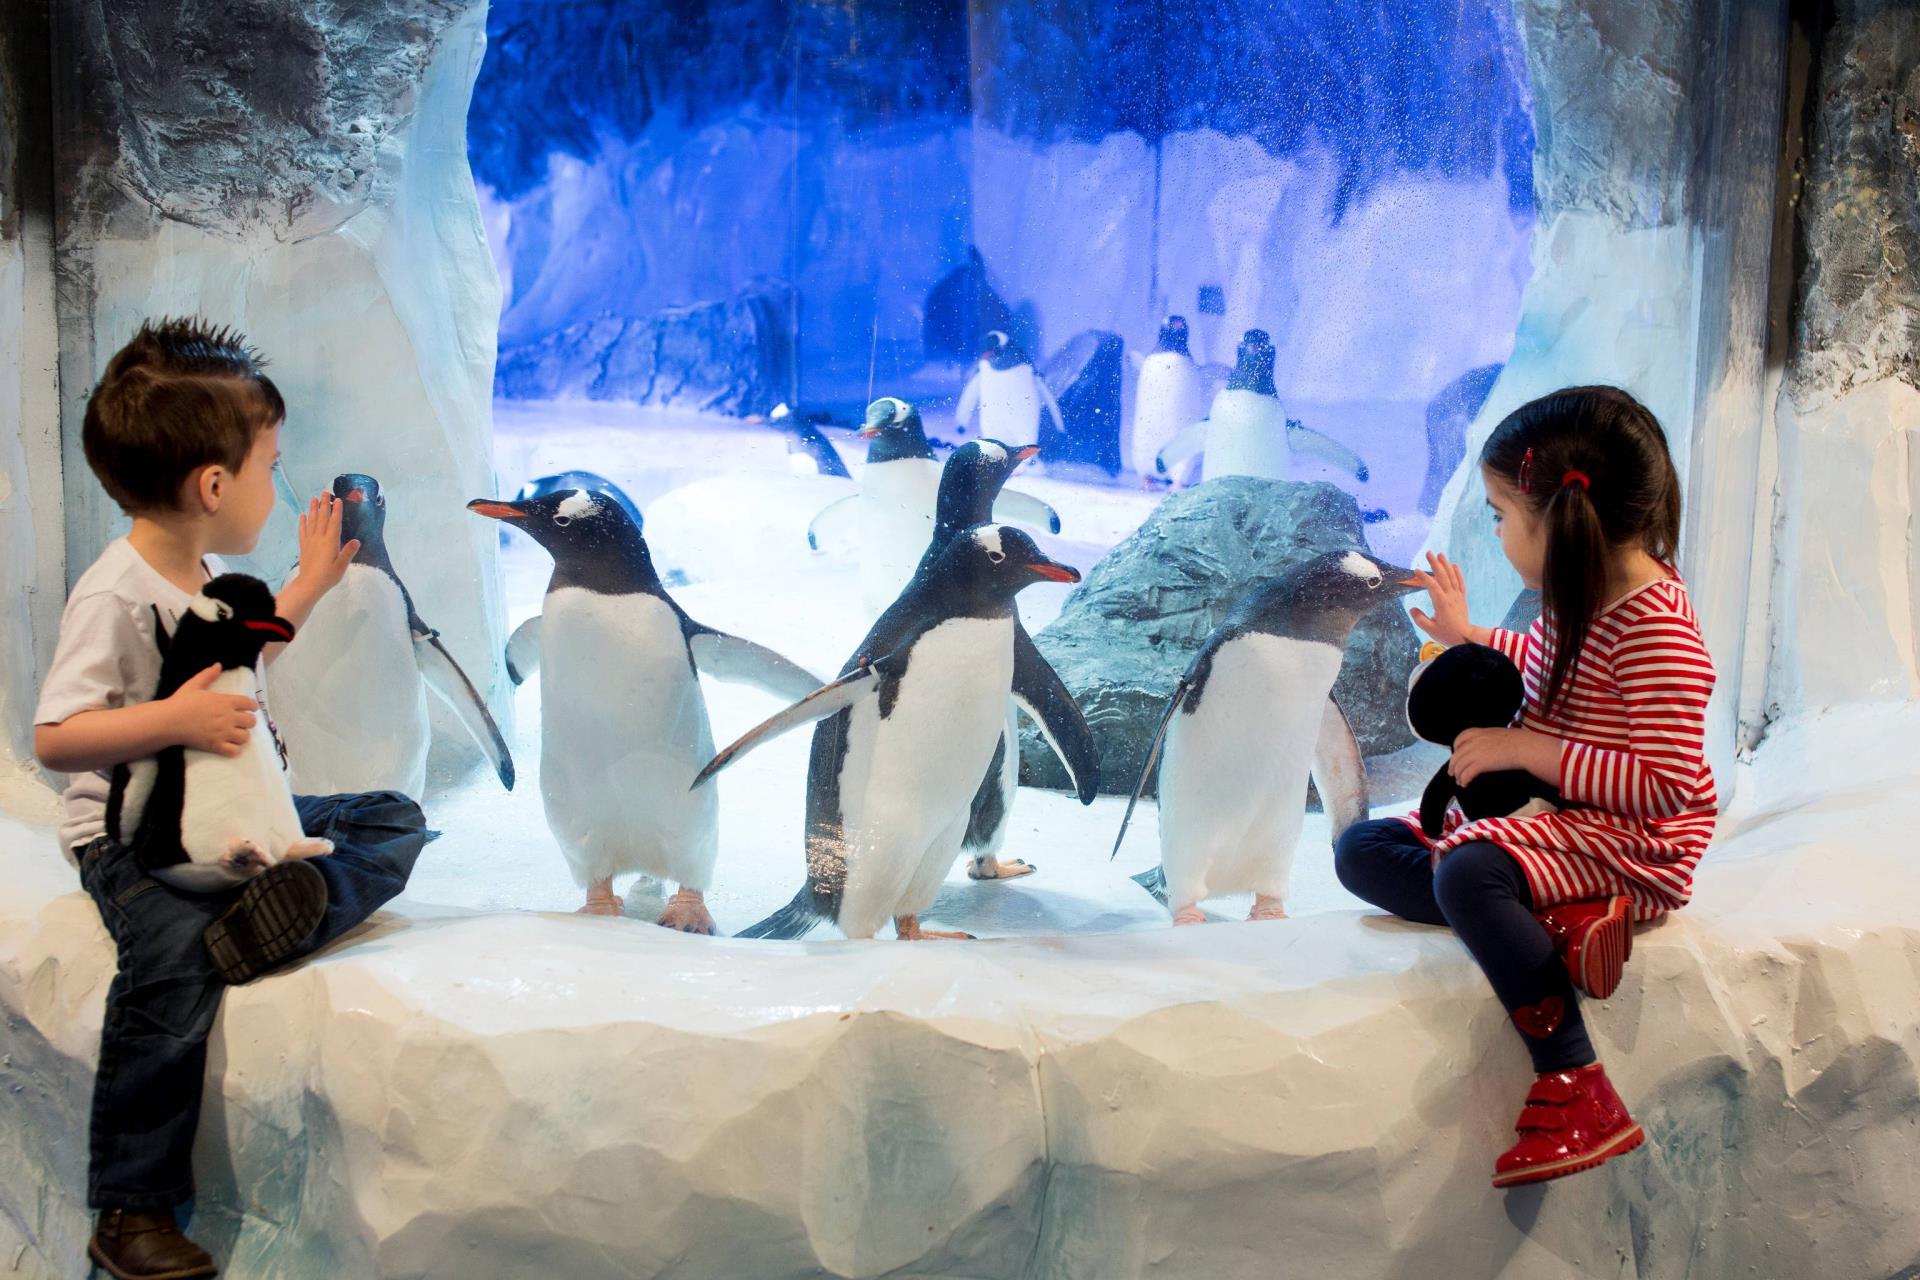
x,y
1129,631
734,356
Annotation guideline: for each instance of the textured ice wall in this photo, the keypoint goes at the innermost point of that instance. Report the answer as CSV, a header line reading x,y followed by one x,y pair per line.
x,y
298,170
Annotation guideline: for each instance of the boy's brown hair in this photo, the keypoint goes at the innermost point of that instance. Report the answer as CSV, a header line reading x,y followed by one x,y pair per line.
x,y
183,394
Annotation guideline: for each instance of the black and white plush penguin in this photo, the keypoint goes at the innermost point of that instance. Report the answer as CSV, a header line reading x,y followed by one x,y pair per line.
x,y
1247,433
622,720
895,510
906,733
1471,686
351,697
1248,723
1008,393
971,493
1169,397
199,820
523,646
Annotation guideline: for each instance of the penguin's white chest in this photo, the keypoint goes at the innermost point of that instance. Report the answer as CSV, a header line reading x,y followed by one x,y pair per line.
x,y
231,800
1168,399
1246,436
1233,783
623,730
1009,405
347,693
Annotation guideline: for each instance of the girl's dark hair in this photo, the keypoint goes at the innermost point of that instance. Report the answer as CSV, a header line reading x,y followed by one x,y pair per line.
x,y
181,395
1631,494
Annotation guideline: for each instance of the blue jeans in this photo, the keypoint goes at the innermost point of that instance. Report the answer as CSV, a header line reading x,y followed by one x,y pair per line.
x,y
1481,893
160,1008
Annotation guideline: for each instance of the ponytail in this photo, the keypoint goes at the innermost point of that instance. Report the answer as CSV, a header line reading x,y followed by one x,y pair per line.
x,y
1593,463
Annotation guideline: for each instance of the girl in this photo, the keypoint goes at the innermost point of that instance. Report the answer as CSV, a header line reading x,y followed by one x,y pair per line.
x,y
1587,508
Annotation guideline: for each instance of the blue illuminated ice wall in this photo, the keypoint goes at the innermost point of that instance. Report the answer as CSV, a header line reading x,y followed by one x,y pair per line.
x,y
763,194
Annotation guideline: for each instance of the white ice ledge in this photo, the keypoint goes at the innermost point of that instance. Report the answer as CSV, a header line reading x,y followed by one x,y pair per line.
x,y
455,1093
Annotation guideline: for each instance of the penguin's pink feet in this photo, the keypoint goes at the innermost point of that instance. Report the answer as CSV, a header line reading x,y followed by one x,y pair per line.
x,y
602,900
1191,914
1265,908
907,929
310,847
687,912
991,868
244,859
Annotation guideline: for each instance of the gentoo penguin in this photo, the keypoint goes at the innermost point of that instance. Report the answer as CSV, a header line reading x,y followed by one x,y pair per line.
x,y
906,732
523,646
1248,434
622,720
1248,722
970,492
895,509
809,453
1169,397
1008,394
199,820
351,697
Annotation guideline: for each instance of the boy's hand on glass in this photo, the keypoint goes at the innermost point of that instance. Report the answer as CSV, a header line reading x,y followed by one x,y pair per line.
x,y
1448,591
1480,751
203,720
323,558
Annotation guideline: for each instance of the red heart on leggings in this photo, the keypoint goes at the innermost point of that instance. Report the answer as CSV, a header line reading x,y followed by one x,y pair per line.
x,y
1540,1020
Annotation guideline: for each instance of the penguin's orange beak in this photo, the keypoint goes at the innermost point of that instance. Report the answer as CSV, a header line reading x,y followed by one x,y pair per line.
x,y
1025,452
866,433
495,509
1054,572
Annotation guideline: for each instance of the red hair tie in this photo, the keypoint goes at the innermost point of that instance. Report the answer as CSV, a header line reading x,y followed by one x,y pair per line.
x,y
1577,477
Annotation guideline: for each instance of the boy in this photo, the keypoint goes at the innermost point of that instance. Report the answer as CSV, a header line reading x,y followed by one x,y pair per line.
x,y
183,432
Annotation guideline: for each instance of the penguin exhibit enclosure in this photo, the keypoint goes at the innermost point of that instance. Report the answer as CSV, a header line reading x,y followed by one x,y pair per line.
x,y
1029,481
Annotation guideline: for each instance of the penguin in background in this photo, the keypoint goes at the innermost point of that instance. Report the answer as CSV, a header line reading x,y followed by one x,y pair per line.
x,y
904,735
622,719
1247,433
970,492
809,453
351,698
1169,396
894,513
198,820
1008,394
1248,723
523,646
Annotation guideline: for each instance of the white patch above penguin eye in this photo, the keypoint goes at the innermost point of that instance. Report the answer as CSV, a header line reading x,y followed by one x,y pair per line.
x,y
991,449
988,537
1362,568
577,505
900,410
207,609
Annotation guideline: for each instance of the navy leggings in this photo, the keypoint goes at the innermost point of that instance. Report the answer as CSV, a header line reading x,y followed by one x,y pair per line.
x,y
1481,893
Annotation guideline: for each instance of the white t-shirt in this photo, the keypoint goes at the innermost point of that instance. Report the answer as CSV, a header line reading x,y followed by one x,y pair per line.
x,y
106,658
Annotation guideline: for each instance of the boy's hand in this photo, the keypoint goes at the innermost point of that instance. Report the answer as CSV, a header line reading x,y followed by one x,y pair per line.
x,y
323,559
204,720
1448,589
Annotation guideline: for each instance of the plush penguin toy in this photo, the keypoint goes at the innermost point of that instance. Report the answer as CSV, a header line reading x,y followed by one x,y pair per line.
x,y
1471,686
196,819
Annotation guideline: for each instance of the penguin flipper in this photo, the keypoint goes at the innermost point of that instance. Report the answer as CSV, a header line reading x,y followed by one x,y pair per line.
x,y
444,676
836,514
741,661
969,401
861,682
1154,882
1304,439
1023,508
523,651
1049,404
1153,755
1339,771
795,920
1179,451
1039,692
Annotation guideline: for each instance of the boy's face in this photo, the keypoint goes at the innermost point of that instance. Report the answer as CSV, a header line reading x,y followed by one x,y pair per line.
x,y
1522,533
246,497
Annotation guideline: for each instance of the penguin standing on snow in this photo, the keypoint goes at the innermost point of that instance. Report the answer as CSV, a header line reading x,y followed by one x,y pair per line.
x,y
1169,397
523,646
351,698
906,733
971,494
199,820
896,508
1249,721
623,723
1247,433
1008,394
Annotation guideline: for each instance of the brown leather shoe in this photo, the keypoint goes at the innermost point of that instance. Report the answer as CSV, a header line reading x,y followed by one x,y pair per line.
x,y
146,1246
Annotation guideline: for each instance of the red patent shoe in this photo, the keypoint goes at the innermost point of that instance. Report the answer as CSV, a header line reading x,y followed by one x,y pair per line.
x,y
1573,1121
1594,937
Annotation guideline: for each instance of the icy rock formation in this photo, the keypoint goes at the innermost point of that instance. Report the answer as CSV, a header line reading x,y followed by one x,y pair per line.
x,y
1126,635
300,174
731,357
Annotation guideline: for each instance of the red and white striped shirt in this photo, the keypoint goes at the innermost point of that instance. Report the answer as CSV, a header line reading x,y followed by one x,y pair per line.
x,y
1639,801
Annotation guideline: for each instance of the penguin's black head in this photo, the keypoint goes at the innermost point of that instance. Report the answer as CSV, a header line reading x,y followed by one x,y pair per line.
x,y
1253,366
1002,352
1323,598
972,478
1173,335
593,541
895,429
363,513
989,563
232,619
541,486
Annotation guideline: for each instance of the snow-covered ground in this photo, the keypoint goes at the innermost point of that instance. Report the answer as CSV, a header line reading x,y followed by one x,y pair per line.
x,y
727,518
